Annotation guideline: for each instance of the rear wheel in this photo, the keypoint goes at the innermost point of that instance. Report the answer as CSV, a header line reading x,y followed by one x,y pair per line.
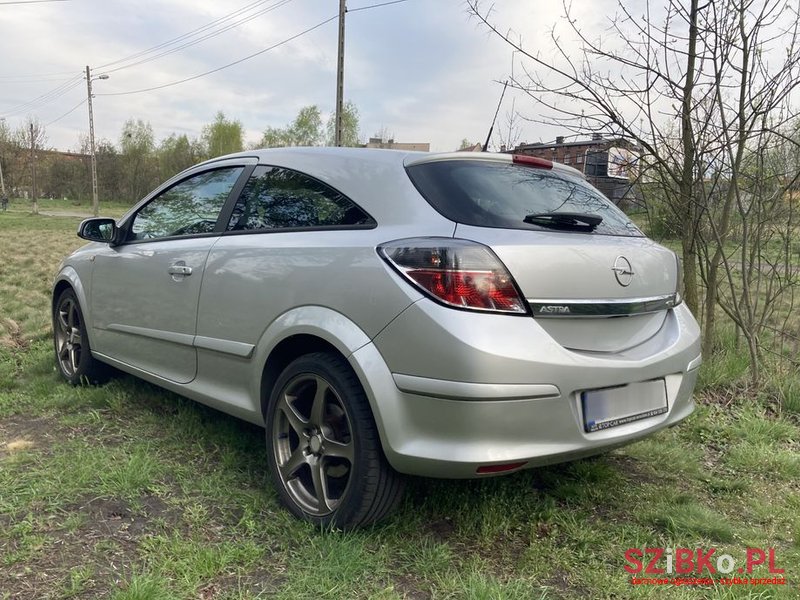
x,y
324,451
73,354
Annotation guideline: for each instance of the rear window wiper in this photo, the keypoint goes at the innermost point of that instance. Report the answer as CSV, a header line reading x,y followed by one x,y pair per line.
x,y
565,220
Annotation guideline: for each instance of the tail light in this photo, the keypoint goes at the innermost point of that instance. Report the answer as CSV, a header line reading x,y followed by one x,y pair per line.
x,y
455,272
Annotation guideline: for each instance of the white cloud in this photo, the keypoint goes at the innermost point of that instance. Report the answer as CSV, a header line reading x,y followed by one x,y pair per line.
x,y
423,69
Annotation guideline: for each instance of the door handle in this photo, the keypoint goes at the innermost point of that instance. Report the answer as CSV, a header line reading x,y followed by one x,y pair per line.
x,y
179,269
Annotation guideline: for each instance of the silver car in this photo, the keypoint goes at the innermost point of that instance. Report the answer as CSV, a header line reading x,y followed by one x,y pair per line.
x,y
384,313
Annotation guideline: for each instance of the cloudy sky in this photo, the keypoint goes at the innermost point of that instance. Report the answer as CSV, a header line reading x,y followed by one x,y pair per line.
x,y
422,70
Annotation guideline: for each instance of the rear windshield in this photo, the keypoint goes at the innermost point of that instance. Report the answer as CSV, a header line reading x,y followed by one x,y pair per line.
x,y
495,194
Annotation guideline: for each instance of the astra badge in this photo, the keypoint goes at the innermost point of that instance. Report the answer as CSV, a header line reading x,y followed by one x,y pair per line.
x,y
554,309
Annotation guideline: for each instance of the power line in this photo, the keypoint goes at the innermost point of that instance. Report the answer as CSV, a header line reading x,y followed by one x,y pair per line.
x,y
241,60
201,39
181,37
35,78
69,112
69,84
189,34
375,5
231,64
30,1
65,87
45,98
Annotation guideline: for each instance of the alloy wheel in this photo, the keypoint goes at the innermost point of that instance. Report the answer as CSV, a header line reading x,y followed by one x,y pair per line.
x,y
69,340
313,444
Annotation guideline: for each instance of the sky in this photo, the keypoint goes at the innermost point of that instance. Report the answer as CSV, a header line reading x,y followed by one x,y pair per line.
x,y
420,70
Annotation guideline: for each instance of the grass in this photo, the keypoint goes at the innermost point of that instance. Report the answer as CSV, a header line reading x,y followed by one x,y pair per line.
x,y
128,492
108,208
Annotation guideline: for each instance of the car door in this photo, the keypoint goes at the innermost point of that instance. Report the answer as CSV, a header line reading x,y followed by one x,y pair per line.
x,y
288,241
144,291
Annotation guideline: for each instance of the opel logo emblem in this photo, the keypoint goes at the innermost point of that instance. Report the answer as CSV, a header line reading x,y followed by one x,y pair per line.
x,y
623,271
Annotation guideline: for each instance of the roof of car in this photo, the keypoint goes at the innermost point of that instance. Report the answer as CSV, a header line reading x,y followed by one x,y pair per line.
x,y
368,154
379,155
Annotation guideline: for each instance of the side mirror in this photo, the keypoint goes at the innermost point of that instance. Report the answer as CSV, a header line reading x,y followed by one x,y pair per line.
x,y
98,230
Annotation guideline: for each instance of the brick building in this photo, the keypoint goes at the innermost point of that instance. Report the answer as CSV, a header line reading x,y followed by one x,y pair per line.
x,y
608,163
390,144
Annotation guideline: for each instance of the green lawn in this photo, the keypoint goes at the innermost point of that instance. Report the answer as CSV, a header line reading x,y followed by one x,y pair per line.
x,y
129,492
108,208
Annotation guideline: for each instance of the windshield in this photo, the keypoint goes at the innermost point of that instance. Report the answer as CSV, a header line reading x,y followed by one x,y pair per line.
x,y
495,194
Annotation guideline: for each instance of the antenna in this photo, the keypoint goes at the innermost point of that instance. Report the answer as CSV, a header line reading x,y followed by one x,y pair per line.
x,y
488,137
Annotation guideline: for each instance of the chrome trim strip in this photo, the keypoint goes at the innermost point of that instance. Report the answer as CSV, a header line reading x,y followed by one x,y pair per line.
x,y
239,349
183,339
608,307
462,390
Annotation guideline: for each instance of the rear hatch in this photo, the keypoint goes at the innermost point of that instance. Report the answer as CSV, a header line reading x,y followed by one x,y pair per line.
x,y
593,286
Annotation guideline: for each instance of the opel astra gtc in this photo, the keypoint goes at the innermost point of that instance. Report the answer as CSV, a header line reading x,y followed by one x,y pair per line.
x,y
380,312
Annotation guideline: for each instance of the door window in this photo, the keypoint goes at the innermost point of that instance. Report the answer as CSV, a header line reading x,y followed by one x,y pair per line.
x,y
276,198
190,207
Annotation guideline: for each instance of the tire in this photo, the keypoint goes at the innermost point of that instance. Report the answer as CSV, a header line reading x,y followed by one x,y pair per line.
x,y
324,453
71,343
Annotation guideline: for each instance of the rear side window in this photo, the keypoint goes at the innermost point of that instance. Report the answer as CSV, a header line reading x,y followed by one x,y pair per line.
x,y
277,198
494,194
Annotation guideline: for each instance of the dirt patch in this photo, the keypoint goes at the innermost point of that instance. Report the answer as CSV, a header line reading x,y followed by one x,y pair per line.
x,y
119,520
560,584
18,433
103,540
258,583
442,530
408,587
724,396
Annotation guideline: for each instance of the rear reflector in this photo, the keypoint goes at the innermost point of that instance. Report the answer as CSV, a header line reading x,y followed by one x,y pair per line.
x,y
532,161
486,469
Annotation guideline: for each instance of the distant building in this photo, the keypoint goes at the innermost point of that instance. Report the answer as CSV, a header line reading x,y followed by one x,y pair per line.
x,y
610,164
476,147
390,144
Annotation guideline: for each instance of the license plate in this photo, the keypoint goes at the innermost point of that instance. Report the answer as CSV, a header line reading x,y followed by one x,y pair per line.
x,y
611,407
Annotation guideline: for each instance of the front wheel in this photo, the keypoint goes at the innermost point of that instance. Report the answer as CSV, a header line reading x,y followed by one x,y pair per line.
x,y
323,447
73,355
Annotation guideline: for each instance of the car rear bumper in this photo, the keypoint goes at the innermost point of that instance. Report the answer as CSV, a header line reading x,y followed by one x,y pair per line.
x,y
498,389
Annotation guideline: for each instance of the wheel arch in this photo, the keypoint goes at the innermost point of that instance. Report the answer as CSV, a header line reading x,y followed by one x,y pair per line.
x,y
300,331
288,350
68,278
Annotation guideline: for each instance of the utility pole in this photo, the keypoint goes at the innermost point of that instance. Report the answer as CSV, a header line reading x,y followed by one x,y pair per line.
x,y
2,181
33,174
95,201
340,77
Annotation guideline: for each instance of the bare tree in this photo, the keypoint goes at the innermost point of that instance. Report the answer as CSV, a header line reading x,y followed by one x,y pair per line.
x,y
750,168
31,136
649,78
511,131
703,90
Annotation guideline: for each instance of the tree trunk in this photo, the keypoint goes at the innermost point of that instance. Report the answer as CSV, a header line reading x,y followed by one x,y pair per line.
x,y
755,359
710,306
689,255
686,184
